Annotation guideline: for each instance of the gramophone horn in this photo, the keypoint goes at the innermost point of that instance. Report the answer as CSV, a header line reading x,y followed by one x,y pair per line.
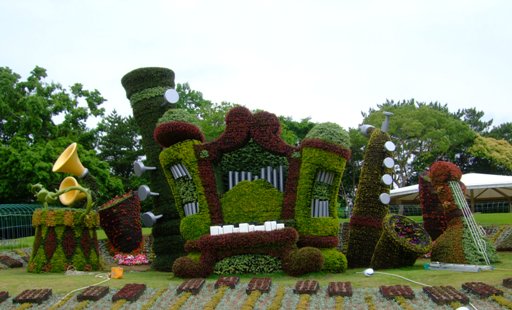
x,y
149,219
72,196
139,168
69,162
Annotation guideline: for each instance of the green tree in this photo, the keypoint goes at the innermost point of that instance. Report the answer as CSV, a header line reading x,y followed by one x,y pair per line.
x,y
423,133
473,118
503,131
119,144
210,115
38,119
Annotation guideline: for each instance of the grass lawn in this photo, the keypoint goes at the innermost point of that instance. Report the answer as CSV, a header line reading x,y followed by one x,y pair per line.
x,y
17,280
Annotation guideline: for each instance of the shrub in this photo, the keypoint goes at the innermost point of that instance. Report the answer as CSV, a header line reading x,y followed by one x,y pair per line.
x,y
185,267
248,263
330,132
334,261
302,261
256,201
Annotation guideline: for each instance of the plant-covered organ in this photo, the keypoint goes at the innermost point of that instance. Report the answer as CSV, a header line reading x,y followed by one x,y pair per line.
x,y
145,88
456,244
120,219
250,175
369,212
401,243
63,238
434,219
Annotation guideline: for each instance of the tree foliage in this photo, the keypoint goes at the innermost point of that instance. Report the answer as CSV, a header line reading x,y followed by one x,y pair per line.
x,y
38,119
423,133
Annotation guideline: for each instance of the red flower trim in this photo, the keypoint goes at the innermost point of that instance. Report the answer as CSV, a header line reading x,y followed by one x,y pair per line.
x,y
318,241
326,146
290,196
170,133
207,176
365,221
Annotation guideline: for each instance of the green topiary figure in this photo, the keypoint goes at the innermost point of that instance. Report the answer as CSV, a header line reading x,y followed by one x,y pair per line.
x,y
145,88
457,243
369,210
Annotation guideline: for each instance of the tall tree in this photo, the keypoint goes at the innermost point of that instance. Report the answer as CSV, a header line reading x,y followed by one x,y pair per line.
x,y
38,119
503,131
119,144
473,118
423,133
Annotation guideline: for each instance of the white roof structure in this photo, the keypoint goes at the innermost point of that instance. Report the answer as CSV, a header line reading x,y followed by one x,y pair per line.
x,y
480,187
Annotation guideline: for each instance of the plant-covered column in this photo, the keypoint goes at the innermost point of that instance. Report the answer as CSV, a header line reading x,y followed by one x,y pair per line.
x,y
369,210
324,153
432,211
457,243
145,88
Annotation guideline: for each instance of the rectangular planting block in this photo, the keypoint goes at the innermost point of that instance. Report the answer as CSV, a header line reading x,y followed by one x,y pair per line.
x,y
306,287
130,292
93,293
192,285
227,281
390,292
339,289
37,296
443,295
481,289
259,284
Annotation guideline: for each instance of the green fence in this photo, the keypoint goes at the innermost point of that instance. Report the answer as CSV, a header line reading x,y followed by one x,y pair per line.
x,y
16,220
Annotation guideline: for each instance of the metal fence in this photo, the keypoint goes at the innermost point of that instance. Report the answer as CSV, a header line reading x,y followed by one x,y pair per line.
x,y
16,220
481,207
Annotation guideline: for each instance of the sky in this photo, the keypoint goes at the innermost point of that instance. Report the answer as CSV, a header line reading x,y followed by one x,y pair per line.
x,y
328,60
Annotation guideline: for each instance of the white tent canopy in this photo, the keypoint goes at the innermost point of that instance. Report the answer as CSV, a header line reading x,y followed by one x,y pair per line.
x,y
480,187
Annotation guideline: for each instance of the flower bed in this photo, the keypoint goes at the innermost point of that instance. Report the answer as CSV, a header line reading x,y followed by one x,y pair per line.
x,y
340,289
306,287
390,292
93,293
227,281
10,262
3,296
37,296
443,295
193,286
129,292
507,282
131,260
481,289
259,284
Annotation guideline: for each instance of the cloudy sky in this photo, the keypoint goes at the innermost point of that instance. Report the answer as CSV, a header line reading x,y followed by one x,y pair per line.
x,y
328,60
